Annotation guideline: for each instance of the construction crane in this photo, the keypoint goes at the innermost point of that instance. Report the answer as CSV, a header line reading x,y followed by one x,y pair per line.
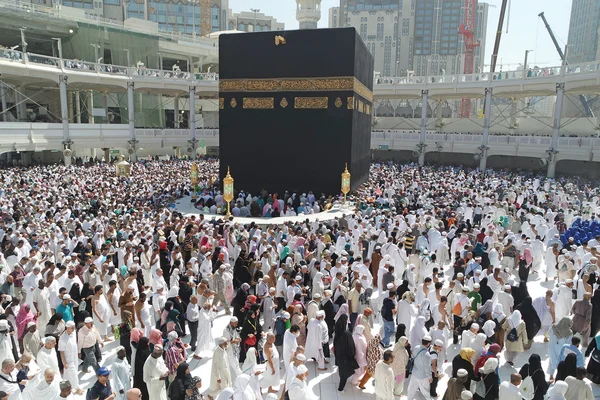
x,y
588,110
205,25
467,30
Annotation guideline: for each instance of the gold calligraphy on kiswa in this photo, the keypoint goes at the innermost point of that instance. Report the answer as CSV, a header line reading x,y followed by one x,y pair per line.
x,y
258,103
311,103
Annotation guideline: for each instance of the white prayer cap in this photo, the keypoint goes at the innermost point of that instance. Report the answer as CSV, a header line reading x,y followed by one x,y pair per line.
x,y
568,281
377,247
301,357
460,275
438,342
158,346
427,338
272,290
315,296
320,313
222,340
462,373
466,395
70,324
507,287
233,319
285,315
159,287
465,289
390,285
30,324
120,348
131,287
298,277
302,369
88,320
222,266
66,297
593,259
476,285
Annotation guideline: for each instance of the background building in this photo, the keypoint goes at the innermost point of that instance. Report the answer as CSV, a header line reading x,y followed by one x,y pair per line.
x,y
250,21
413,37
308,13
583,31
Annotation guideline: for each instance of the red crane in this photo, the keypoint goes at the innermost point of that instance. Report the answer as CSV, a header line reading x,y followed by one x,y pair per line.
x,y
467,30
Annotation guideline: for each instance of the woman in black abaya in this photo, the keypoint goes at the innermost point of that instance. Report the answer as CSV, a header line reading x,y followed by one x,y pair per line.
x,y
141,355
485,291
343,345
595,326
534,369
531,318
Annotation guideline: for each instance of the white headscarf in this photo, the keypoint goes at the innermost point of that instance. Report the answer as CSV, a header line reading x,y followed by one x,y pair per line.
x,y
418,332
242,389
515,319
343,310
498,313
488,328
359,329
250,360
558,390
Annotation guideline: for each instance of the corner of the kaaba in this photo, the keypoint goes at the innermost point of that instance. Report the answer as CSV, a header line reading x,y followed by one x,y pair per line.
x,y
293,115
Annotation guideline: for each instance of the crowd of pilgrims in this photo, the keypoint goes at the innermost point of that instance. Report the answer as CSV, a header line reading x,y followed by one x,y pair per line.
x,y
429,275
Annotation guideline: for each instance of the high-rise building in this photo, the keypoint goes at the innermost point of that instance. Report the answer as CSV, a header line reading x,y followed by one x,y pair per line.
x,y
250,21
334,17
308,13
408,36
583,31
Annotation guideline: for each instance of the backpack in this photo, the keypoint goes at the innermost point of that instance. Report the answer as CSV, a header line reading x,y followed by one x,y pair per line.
x,y
512,336
411,362
480,389
527,387
457,309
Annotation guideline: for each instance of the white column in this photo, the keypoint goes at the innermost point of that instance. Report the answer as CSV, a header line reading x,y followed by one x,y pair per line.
x,y
64,113
77,107
70,105
192,119
487,118
131,117
439,116
553,151
90,106
513,116
21,104
4,104
424,97
176,112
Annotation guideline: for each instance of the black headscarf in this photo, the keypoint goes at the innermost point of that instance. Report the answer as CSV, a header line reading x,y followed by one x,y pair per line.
x,y
567,367
485,291
75,293
142,354
400,331
403,288
534,369
595,327
181,380
519,292
530,316
344,348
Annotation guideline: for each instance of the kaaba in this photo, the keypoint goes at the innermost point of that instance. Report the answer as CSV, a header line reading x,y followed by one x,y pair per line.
x,y
295,109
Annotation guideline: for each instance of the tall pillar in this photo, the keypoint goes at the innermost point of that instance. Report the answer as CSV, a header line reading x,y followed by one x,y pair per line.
x,y
21,105
4,103
553,151
105,106
131,117
106,154
64,116
176,112
487,118
77,107
70,105
90,106
192,119
424,97
513,117
439,116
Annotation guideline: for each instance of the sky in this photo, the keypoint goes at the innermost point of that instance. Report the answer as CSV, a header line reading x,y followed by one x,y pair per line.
x,y
526,30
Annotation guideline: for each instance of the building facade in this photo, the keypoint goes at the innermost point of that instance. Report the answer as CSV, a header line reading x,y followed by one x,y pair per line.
x,y
583,31
413,37
308,13
248,21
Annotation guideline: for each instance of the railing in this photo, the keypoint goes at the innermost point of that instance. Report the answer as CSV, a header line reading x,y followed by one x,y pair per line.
x,y
590,68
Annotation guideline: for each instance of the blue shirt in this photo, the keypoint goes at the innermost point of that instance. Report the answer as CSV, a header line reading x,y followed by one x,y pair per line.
x,y
66,311
569,348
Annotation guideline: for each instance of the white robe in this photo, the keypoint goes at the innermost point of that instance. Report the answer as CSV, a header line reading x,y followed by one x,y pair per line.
x,y
563,302
46,358
154,369
68,344
205,339
314,348
290,344
219,371
12,389
104,311
6,347
42,298
384,381
120,373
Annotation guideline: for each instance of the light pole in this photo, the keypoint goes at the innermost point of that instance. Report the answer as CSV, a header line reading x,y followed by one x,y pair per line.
x,y
525,62
194,18
255,11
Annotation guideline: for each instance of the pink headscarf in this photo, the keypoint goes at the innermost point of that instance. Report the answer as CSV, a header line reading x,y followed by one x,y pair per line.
x,y
136,334
156,336
24,317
